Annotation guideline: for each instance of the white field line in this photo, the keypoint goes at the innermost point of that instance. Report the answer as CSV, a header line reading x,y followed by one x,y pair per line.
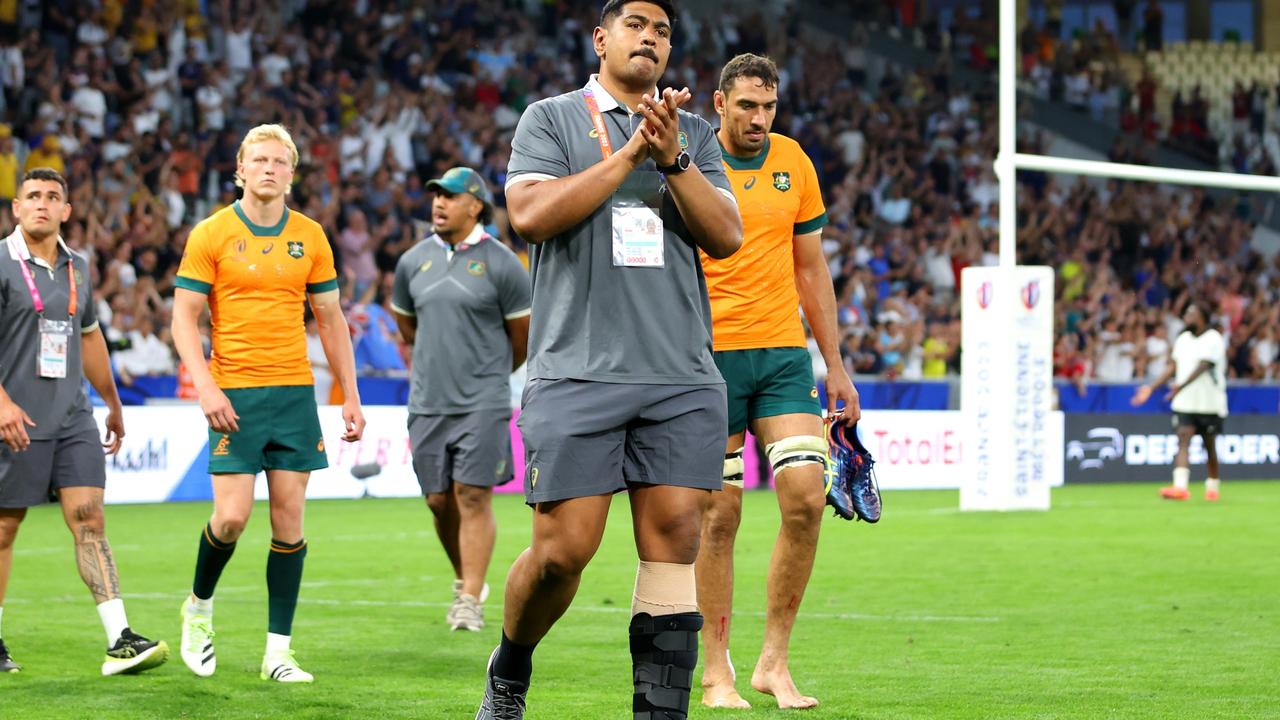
x,y
601,609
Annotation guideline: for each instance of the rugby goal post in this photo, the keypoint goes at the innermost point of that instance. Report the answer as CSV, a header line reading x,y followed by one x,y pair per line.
x,y
1006,374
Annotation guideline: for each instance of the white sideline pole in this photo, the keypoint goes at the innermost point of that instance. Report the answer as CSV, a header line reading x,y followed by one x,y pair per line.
x,y
1147,173
1005,168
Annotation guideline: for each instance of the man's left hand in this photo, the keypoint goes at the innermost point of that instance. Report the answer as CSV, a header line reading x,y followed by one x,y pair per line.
x,y
840,390
353,420
661,128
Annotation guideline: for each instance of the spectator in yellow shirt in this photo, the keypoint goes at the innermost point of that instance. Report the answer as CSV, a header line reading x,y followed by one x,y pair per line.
x,y
936,353
48,154
8,165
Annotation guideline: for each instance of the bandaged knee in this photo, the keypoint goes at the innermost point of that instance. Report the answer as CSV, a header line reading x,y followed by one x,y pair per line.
x,y
796,451
664,589
733,468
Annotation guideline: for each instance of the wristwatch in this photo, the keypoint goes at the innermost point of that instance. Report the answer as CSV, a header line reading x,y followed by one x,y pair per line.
x,y
680,165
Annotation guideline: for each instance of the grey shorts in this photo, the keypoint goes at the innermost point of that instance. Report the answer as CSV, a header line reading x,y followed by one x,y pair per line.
x,y
35,475
594,438
471,448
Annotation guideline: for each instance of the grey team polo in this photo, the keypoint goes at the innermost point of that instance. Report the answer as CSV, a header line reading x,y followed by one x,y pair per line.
x,y
593,321
59,407
462,299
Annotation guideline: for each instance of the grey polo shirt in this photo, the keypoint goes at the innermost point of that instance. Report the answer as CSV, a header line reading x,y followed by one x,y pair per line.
x,y
462,298
59,407
594,321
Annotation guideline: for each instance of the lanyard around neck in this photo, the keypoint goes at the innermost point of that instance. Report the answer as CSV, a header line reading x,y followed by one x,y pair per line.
x,y
35,292
602,132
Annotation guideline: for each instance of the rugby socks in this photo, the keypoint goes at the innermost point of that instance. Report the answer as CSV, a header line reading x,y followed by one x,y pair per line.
x,y
1182,478
1212,485
210,560
284,577
514,662
113,619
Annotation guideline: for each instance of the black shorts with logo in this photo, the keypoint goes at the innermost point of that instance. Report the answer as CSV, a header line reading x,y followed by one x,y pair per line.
x,y
1204,423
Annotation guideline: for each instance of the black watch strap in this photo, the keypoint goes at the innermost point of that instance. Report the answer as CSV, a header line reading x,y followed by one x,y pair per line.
x,y
680,165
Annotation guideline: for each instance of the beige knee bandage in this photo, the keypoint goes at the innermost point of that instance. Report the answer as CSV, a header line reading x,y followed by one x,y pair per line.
x,y
664,589
796,451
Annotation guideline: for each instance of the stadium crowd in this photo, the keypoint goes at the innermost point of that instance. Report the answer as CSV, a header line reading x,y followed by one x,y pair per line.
x,y
142,106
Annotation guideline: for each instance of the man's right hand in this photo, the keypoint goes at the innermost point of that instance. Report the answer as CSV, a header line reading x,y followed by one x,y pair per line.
x,y
218,411
636,150
13,426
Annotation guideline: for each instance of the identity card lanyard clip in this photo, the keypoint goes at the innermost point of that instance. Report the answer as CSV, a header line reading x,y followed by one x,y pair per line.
x,y
638,239
54,334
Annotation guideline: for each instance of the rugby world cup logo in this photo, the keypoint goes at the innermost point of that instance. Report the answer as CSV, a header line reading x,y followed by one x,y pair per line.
x,y
986,291
1031,294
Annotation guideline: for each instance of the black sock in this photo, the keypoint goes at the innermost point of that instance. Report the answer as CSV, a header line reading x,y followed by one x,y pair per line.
x,y
210,560
514,661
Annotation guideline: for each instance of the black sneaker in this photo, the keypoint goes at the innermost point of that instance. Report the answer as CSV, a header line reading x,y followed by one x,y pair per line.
x,y
7,665
503,699
133,653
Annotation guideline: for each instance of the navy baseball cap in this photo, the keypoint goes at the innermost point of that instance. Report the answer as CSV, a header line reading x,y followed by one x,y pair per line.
x,y
461,180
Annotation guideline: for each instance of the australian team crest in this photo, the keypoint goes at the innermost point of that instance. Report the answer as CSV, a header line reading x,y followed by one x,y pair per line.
x,y
782,181
684,141
475,267
295,249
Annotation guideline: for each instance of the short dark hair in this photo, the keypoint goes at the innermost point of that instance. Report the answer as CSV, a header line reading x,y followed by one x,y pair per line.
x,y
750,66
613,8
46,173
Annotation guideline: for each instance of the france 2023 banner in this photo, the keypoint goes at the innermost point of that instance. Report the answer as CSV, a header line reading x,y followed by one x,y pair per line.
x,y
1006,388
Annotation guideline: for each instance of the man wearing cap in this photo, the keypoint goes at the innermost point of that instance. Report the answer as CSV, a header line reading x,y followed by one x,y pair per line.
x,y
473,296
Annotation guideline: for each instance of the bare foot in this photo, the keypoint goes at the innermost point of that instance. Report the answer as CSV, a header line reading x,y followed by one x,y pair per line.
x,y
723,695
779,684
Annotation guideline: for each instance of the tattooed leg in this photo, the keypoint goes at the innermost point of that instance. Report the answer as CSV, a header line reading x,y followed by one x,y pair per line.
x,y
82,509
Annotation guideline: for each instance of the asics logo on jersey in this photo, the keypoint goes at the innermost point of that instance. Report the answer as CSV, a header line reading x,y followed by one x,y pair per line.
x,y
270,246
750,183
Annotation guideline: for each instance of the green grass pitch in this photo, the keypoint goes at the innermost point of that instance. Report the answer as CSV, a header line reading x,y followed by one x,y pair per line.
x,y
1112,605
